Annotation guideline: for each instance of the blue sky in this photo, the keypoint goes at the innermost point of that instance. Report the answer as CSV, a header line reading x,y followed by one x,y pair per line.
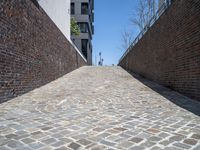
x,y
112,17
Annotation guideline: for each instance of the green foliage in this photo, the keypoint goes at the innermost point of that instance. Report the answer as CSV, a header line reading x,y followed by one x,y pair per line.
x,y
75,30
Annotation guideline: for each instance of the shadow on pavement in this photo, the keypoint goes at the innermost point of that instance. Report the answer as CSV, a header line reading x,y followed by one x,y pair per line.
x,y
173,96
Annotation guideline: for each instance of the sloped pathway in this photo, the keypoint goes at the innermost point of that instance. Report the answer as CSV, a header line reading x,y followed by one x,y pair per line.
x,y
99,108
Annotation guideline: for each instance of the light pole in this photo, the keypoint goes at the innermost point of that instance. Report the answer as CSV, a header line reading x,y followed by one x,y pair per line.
x,y
100,59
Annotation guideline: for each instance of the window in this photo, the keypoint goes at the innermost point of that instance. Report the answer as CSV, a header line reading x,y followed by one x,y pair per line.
x,y
83,27
84,43
72,8
84,8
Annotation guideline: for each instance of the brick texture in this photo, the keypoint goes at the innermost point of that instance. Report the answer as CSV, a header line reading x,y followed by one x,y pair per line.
x,y
169,53
33,51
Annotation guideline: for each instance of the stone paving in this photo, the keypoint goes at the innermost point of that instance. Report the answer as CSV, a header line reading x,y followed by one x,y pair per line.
x,y
100,108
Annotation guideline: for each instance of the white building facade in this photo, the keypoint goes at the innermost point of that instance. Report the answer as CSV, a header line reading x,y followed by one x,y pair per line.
x,y
59,12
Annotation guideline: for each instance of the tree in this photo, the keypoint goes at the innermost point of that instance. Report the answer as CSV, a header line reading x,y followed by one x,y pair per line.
x,y
75,30
127,39
144,12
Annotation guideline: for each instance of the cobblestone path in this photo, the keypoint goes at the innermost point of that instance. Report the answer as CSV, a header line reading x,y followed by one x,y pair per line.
x,y
99,108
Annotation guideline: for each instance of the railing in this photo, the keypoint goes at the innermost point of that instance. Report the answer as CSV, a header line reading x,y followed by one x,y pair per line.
x,y
160,11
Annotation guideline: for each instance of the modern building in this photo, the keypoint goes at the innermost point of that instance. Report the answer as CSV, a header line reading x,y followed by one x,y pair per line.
x,y
83,12
59,12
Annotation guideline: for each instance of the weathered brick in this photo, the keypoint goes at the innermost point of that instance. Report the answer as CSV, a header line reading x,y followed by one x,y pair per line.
x,y
33,51
169,52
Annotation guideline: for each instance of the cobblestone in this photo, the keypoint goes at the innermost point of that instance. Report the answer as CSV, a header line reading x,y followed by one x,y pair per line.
x,y
99,108
136,140
181,145
190,141
196,136
74,146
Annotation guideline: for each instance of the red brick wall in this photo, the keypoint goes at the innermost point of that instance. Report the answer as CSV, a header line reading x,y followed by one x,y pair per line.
x,y
169,53
33,51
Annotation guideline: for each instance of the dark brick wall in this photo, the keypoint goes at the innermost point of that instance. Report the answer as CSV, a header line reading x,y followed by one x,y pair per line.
x,y
33,51
169,53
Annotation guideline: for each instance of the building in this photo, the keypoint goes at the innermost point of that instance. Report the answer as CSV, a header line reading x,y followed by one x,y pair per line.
x,y
83,12
59,12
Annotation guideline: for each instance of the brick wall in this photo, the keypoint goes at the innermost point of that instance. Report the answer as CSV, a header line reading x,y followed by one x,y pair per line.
x,y
33,51
169,53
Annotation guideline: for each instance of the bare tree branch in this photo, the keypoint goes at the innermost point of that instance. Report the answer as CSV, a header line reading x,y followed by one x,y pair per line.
x,y
127,38
144,12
